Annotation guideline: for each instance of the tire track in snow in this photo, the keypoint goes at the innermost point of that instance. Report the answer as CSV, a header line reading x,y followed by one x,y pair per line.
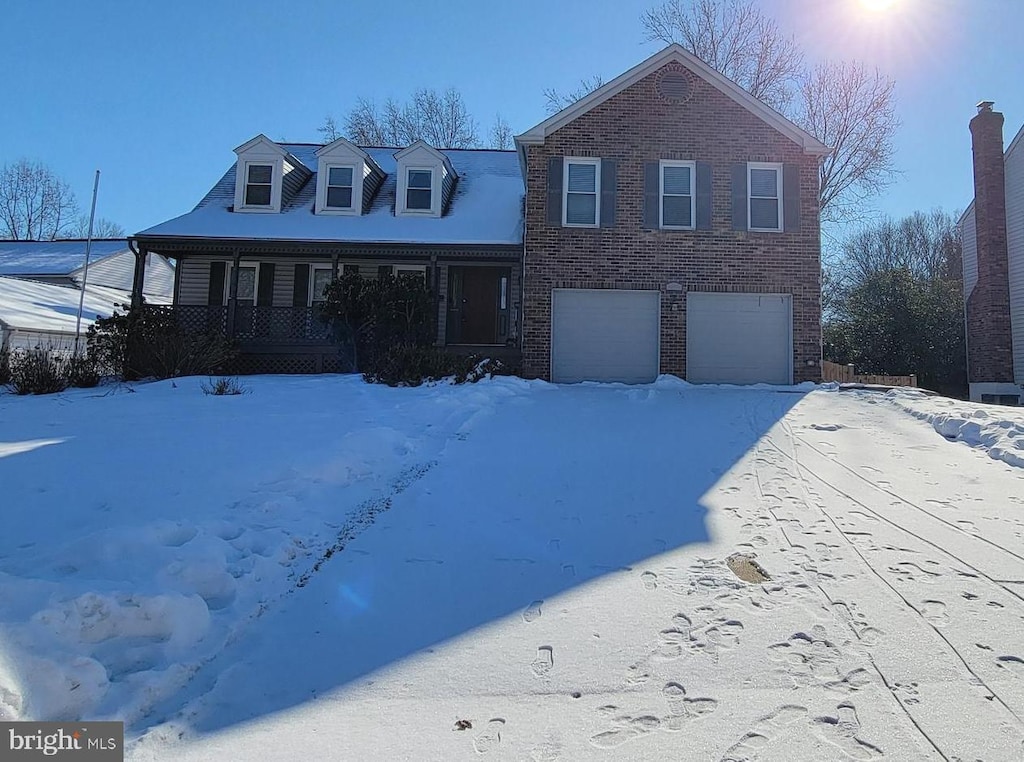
x,y
831,603
904,500
800,468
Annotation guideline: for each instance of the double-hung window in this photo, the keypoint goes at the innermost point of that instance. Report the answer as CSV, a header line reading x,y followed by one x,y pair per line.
x,y
677,194
764,196
581,205
339,188
419,190
258,183
319,278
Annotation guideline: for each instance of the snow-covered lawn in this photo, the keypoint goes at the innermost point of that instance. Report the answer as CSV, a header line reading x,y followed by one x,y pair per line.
x,y
322,569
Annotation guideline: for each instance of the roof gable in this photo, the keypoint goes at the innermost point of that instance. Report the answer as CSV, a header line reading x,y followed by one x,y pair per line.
x,y
422,148
675,53
261,144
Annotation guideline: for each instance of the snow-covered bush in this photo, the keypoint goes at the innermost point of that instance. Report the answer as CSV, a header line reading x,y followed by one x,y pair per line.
x,y
405,365
83,372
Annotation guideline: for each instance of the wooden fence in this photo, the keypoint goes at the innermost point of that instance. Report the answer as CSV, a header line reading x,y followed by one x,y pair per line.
x,y
844,374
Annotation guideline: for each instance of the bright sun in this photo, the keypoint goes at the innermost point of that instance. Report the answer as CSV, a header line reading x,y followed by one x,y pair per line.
x,y
877,5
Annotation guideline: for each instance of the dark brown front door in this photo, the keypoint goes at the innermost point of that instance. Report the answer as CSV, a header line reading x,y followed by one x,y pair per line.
x,y
480,305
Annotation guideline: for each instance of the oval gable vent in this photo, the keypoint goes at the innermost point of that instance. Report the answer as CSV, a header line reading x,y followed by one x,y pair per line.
x,y
674,86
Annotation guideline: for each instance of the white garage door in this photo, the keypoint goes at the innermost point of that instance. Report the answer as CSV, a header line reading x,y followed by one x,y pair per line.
x,y
739,338
604,335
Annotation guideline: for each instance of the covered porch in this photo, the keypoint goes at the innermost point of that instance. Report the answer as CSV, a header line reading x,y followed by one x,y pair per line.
x,y
267,296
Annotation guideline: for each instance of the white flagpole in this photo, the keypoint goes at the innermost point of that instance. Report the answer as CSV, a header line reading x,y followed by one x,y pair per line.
x,y
85,271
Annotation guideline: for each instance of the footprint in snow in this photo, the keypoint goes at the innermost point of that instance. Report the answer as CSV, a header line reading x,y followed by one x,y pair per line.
x,y
489,737
544,662
532,612
843,731
649,580
763,733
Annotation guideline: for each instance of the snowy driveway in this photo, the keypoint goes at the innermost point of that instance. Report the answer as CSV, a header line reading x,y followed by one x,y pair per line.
x,y
544,563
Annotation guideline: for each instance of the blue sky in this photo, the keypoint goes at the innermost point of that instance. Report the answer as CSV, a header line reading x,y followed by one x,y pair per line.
x,y
156,95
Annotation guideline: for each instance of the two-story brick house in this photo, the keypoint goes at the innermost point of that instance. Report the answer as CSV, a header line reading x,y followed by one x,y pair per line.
x,y
670,225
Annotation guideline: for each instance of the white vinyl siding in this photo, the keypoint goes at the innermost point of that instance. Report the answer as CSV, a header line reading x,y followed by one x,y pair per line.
x,y
581,201
605,335
194,281
969,234
764,197
1015,249
739,338
677,194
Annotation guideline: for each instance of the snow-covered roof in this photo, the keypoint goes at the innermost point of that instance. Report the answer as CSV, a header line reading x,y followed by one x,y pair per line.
x,y
43,307
486,209
53,257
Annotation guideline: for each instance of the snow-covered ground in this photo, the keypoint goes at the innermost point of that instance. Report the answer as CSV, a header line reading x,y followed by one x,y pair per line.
x,y
322,569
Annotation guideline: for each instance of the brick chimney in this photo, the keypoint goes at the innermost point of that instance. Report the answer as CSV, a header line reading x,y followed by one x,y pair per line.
x,y
989,338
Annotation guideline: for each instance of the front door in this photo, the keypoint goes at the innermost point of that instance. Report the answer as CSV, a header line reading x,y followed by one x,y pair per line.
x,y
477,305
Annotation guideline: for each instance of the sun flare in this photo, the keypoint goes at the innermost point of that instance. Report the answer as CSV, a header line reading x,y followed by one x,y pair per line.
x,y
877,5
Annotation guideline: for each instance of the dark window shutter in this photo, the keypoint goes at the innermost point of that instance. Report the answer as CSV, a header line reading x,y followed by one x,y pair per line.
x,y
300,292
652,195
215,297
346,269
791,198
265,296
739,196
384,271
703,200
608,182
555,190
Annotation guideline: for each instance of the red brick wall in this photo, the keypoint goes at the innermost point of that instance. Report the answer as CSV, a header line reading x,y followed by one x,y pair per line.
x,y
989,333
637,126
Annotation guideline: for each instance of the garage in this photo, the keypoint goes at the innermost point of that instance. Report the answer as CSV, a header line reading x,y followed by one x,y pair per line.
x,y
605,335
739,338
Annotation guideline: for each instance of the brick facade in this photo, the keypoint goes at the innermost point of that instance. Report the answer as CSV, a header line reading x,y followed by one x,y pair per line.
x,y
989,332
637,126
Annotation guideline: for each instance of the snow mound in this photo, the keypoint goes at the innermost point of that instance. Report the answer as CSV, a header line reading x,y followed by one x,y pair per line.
x,y
999,431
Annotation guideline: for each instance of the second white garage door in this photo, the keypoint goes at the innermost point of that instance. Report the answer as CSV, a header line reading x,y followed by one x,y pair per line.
x,y
739,338
605,335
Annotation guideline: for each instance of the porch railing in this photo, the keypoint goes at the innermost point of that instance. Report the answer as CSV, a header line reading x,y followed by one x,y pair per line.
x,y
252,325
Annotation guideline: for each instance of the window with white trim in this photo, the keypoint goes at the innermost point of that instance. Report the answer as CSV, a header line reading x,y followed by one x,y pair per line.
x,y
419,189
259,182
319,278
764,197
581,193
248,283
339,188
677,194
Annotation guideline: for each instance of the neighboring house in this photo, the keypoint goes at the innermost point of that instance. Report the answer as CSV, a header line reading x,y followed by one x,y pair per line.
x,y
35,314
256,253
993,259
111,264
671,226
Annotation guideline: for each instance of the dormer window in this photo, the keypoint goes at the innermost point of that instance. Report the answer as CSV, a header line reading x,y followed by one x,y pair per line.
x,y
339,188
266,176
426,181
258,184
419,185
346,179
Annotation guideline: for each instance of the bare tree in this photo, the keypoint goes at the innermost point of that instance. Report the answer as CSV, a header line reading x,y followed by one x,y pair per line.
x,y
845,106
555,101
35,204
101,228
736,39
501,133
851,110
329,129
439,118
